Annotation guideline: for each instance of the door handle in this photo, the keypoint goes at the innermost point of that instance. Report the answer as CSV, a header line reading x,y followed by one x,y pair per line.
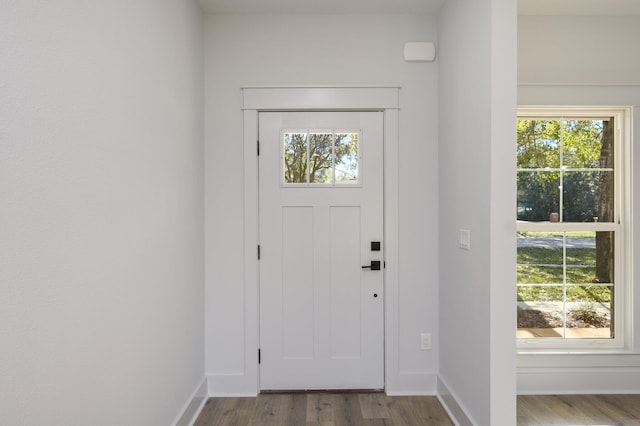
x,y
374,266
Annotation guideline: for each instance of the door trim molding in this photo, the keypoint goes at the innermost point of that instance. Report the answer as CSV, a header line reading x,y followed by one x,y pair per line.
x,y
334,98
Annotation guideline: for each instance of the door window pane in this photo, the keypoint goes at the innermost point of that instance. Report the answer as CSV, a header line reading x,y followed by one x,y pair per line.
x,y
320,157
295,157
347,152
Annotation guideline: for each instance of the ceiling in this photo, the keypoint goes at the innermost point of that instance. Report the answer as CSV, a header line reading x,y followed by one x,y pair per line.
x,y
430,7
580,7
323,6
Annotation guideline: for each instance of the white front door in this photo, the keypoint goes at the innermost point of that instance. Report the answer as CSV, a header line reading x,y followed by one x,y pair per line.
x,y
321,226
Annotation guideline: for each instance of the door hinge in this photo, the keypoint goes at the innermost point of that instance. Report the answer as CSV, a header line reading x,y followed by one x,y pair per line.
x,y
258,147
258,356
258,251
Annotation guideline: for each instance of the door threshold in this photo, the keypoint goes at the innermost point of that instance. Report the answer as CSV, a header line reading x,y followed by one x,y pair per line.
x,y
284,391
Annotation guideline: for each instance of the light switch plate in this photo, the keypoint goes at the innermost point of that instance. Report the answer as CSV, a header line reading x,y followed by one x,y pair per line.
x,y
425,341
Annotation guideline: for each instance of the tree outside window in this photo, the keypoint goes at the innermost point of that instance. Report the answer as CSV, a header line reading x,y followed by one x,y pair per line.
x,y
320,157
567,200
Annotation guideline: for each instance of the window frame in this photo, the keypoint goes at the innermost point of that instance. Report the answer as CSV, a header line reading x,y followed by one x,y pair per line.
x,y
621,227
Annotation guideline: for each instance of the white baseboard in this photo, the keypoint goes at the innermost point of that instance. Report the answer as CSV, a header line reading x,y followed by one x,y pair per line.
x,y
579,380
193,406
452,405
412,384
239,385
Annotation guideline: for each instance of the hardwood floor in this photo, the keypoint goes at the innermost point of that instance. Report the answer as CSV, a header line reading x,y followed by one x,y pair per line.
x,y
549,410
363,409
323,408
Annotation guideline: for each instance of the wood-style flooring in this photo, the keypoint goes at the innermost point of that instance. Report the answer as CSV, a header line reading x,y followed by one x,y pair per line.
x,y
323,408
351,408
550,410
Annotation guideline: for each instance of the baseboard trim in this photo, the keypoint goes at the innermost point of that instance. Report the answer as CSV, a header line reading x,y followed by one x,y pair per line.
x,y
193,406
451,403
232,385
579,380
411,384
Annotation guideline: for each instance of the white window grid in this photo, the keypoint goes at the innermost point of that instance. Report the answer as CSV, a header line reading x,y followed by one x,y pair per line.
x,y
333,183
622,249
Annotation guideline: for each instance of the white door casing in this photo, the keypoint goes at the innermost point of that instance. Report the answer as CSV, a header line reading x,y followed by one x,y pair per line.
x,y
321,313
245,381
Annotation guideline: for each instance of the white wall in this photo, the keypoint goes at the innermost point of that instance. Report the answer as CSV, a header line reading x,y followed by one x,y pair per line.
x,y
101,211
243,50
578,50
587,61
477,192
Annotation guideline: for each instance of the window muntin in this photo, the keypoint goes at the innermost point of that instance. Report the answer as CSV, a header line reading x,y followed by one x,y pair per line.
x,y
559,291
320,157
570,240
565,166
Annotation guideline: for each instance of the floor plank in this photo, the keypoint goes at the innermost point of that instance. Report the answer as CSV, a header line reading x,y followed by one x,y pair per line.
x,y
426,411
377,409
374,406
551,410
319,408
323,409
346,410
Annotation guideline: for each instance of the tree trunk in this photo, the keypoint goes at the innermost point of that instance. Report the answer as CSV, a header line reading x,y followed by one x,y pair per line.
x,y
604,240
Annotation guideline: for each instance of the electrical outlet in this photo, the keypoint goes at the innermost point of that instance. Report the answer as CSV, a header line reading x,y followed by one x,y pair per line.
x,y
425,341
465,239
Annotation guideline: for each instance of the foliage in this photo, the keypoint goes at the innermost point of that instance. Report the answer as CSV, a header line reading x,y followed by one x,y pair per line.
x,y
585,312
551,158
312,157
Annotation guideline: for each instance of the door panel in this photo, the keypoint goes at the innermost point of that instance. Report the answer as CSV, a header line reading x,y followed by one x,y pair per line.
x,y
321,313
345,318
297,282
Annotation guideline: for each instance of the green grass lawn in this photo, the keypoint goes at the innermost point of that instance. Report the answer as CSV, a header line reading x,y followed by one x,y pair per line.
x,y
553,255
592,293
539,265
587,234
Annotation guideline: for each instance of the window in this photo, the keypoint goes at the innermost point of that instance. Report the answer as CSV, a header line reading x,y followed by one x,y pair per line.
x,y
320,157
571,221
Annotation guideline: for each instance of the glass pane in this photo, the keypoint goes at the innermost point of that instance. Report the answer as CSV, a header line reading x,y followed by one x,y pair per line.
x,y
540,312
320,157
589,312
588,144
605,250
538,144
587,196
581,257
536,294
346,150
295,157
539,258
538,196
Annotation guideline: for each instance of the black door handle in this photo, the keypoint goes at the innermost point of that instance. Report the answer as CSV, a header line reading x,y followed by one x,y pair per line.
x,y
375,265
